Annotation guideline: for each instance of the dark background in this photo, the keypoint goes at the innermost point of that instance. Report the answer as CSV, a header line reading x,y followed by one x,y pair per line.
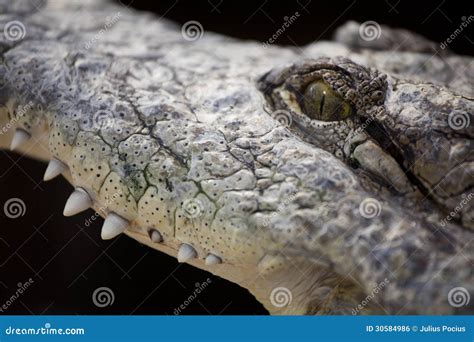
x,y
68,261
258,20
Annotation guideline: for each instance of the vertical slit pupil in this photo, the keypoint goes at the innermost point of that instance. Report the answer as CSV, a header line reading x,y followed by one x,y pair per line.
x,y
320,102
321,105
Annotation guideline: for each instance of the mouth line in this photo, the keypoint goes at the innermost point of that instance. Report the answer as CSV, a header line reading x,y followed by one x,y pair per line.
x,y
242,273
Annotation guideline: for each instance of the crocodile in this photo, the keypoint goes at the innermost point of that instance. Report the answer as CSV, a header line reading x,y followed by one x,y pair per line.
x,y
332,178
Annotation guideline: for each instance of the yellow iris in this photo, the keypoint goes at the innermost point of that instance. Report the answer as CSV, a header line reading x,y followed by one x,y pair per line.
x,y
320,102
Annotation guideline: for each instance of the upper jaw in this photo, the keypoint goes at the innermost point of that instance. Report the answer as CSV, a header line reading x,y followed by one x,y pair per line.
x,y
429,124
310,217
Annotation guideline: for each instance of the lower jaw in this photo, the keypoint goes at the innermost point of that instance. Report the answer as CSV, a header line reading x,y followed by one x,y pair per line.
x,y
263,285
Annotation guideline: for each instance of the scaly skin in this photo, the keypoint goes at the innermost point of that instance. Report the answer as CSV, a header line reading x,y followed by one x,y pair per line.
x,y
205,143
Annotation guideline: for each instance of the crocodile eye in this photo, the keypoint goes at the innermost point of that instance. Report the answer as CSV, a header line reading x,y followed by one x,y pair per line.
x,y
320,102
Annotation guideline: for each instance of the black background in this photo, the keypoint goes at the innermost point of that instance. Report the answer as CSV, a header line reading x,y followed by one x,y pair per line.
x,y
68,261
258,20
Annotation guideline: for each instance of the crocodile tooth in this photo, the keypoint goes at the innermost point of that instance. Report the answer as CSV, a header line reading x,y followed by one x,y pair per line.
x,y
19,138
113,226
156,236
78,201
186,252
212,259
54,169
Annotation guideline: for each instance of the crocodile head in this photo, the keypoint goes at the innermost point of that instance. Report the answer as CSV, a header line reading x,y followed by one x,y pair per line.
x,y
314,177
